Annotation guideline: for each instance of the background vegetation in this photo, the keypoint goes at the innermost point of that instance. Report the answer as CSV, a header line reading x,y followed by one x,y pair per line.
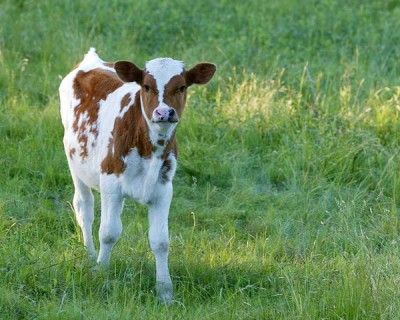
x,y
286,200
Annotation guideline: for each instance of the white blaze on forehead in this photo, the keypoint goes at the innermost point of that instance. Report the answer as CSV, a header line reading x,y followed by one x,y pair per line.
x,y
162,70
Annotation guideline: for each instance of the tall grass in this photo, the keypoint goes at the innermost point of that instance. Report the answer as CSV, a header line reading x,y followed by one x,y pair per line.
x,y
286,201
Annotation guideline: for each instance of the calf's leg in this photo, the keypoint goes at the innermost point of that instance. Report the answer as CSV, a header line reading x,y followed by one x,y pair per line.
x,y
159,242
112,204
84,212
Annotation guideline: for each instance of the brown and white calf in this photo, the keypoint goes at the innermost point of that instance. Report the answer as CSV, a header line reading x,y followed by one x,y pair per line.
x,y
119,138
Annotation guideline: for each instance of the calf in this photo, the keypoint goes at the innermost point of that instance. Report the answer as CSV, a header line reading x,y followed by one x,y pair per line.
x,y
119,138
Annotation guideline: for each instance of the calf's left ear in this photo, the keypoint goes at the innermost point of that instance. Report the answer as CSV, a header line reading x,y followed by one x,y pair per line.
x,y
128,72
200,74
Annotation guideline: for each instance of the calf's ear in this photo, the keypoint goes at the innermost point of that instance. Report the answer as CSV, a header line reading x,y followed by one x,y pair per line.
x,y
200,74
128,72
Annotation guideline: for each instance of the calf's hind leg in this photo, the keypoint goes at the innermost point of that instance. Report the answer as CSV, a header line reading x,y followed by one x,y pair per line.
x,y
84,212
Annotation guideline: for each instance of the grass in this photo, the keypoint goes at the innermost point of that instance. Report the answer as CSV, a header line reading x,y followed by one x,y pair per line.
x,y
286,201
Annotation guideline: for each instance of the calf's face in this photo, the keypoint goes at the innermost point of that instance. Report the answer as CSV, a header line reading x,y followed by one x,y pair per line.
x,y
164,82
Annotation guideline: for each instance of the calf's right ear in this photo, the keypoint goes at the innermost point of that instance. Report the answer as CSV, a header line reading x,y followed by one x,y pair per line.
x,y
128,72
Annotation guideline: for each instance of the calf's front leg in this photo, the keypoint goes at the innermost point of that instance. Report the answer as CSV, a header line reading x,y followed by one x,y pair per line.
x,y
110,230
159,242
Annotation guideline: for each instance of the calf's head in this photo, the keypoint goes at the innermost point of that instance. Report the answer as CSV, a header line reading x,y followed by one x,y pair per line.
x,y
163,84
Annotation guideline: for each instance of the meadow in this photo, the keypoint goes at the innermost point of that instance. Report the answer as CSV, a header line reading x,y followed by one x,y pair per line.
x,y
286,202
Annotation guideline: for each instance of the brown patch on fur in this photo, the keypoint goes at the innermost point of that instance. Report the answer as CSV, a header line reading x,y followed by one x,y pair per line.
x,y
91,87
130,131
170,147
125,101
167,165
72,152
175,94
150,96
165,169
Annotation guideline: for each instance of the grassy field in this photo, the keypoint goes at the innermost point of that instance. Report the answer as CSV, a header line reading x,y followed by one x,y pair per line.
x,y
286,201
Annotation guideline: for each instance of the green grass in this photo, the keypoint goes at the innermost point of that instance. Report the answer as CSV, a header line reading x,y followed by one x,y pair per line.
x,y
286,201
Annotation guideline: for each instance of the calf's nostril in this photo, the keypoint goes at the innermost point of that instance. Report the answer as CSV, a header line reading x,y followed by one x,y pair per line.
x,y
171,112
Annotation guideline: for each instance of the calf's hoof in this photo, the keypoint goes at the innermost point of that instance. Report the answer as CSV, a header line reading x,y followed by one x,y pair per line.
x,y
164,292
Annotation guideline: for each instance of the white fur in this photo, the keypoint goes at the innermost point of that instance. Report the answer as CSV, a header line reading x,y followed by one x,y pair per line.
x,y
142,179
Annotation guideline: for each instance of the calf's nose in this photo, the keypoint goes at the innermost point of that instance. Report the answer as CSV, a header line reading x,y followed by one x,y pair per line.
x,y
165,114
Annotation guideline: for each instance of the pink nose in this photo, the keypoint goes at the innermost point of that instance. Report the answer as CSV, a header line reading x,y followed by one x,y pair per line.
x,y
165,114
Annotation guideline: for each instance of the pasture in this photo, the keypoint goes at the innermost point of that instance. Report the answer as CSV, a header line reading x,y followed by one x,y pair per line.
x,y
286,198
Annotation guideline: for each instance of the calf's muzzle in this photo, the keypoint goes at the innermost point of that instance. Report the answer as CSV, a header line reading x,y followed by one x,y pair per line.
x,y
165,114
